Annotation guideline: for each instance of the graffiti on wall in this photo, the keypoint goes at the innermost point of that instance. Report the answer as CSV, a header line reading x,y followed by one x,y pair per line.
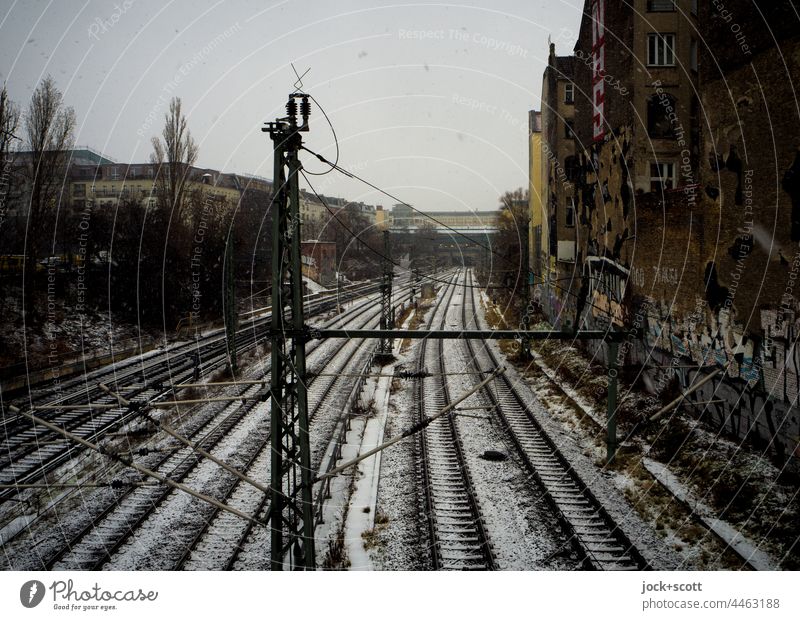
x,y
607,282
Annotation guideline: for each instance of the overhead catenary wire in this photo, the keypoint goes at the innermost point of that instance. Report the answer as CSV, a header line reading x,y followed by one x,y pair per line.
x,y
335,166
187,442
358,237
142,470
335,163
352,175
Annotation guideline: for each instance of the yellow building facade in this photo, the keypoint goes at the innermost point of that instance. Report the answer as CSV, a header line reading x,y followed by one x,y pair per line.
x,y
536,182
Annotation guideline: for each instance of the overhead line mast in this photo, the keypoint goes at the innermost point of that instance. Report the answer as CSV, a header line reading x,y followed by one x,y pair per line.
x,y
291,505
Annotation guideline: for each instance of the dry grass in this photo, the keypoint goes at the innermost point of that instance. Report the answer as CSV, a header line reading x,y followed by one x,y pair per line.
x,y
372,538
741,486
416,321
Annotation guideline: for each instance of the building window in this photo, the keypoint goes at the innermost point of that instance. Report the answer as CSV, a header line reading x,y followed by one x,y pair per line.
x,y
569,130
693,54
569,92
115,173
660,50
571,168
79,189
662,176
660,6
658,116
694,7
569,219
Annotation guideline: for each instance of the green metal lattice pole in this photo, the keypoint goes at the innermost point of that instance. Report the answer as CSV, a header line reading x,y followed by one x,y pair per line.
x,y
611,404
291,508
230,305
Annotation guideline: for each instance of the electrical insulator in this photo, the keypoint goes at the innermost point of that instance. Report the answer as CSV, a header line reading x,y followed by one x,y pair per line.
x,y
305,108
291,108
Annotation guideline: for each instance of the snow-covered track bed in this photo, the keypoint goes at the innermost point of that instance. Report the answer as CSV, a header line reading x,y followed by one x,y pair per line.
x,y
455,528
591,529
106,534
104,529
224,537
31,452
167,522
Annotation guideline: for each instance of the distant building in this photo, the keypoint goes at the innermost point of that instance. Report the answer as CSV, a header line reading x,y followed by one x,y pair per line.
x,y
319,261
105,185
536,177
381,219
404,217
560,166
96,180
365,210
312,210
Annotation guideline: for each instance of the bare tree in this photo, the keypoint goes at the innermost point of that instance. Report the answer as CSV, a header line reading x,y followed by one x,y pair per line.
x,y
511,241
174,158
9,123
424,245
49,126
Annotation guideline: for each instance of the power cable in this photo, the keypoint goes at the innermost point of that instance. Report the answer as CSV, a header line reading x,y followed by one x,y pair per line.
x,y
352,175
333,165
357,236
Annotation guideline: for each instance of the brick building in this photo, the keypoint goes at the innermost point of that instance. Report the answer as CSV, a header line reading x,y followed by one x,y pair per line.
x,y
687,192
560,164
319,261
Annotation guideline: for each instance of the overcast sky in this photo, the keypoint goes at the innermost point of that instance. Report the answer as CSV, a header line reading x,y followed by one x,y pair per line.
x,y
428,99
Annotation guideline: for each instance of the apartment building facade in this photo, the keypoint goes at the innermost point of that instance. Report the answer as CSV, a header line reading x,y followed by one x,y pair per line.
x,y
107,185
536,190
559,166
687,196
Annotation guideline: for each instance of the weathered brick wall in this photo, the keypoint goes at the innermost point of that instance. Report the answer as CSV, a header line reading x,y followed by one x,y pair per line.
x,y
713,268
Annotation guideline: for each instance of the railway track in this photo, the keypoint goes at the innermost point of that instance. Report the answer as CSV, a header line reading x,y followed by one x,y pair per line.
x,y
241,438
83,388
591,530
107,531
251,548
223,537
29,452
457,535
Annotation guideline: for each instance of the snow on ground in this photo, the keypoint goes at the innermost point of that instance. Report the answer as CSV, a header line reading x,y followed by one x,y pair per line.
x,y
642,535
394,544
587,408
364,500
164,535
70,334
14,527
757,558
350,513
387,536
313,287
704,449
522,528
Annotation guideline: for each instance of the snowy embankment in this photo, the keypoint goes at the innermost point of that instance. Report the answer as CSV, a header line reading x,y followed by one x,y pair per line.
x,y
746,548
